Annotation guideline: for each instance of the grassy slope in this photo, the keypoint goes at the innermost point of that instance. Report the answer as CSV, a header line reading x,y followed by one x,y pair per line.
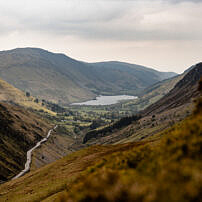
x,y
56,176
8,93
55,148
19,131
157,91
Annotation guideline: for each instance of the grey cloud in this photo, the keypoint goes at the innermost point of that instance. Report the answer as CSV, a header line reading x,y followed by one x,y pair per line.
x,y
118,20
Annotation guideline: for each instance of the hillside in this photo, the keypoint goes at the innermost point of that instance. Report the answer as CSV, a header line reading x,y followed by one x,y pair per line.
x,y
181,94
151,94
58,78
25,128
137,76
19,131
10,94
167,168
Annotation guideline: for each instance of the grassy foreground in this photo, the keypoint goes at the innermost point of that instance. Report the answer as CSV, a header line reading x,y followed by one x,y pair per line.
x,y
45,183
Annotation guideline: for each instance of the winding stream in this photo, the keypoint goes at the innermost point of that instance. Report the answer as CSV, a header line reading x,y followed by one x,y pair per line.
x,y
29,155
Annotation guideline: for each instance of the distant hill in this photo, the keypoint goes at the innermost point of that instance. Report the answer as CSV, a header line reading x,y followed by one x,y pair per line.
x,y
130,76
155,92
61,79
143,74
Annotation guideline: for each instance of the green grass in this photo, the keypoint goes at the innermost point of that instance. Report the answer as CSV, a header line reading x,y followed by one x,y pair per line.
x,y
55,177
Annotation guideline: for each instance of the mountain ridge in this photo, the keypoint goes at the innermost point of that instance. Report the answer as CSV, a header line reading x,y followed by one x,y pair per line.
x,y
61,79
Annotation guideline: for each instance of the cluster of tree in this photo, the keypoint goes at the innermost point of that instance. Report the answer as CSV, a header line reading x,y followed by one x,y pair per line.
x,y
109,129
53,107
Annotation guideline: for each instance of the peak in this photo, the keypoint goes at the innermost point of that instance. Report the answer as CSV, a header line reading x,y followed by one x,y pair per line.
x,y
27,50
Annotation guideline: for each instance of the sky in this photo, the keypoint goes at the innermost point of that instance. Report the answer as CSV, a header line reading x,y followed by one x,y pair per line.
x,y
162,34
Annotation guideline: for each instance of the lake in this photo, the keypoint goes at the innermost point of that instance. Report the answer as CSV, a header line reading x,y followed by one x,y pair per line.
x,y
106,100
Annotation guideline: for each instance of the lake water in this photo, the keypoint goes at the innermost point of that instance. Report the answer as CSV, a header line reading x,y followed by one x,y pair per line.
x,y
106,100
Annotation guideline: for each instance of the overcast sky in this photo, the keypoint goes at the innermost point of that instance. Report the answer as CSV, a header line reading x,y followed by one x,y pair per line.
x,y
165,35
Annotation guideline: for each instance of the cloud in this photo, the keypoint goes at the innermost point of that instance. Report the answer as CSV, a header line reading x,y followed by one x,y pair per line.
x,y
134,27
98,20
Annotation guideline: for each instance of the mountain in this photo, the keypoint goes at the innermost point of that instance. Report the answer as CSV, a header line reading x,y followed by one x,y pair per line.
x,y
19,131
143,74
153,93
61,79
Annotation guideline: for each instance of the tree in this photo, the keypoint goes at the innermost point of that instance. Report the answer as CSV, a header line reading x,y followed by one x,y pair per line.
x,y
27,94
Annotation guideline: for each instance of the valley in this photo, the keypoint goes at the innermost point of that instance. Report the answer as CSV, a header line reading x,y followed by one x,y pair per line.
x,y
94,135
101,101
63,80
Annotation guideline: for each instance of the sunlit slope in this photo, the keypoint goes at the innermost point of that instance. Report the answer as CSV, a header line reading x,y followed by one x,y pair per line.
x,y
10,94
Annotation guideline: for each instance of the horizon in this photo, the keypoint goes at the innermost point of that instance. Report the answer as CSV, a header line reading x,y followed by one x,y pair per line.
x,y
164,35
